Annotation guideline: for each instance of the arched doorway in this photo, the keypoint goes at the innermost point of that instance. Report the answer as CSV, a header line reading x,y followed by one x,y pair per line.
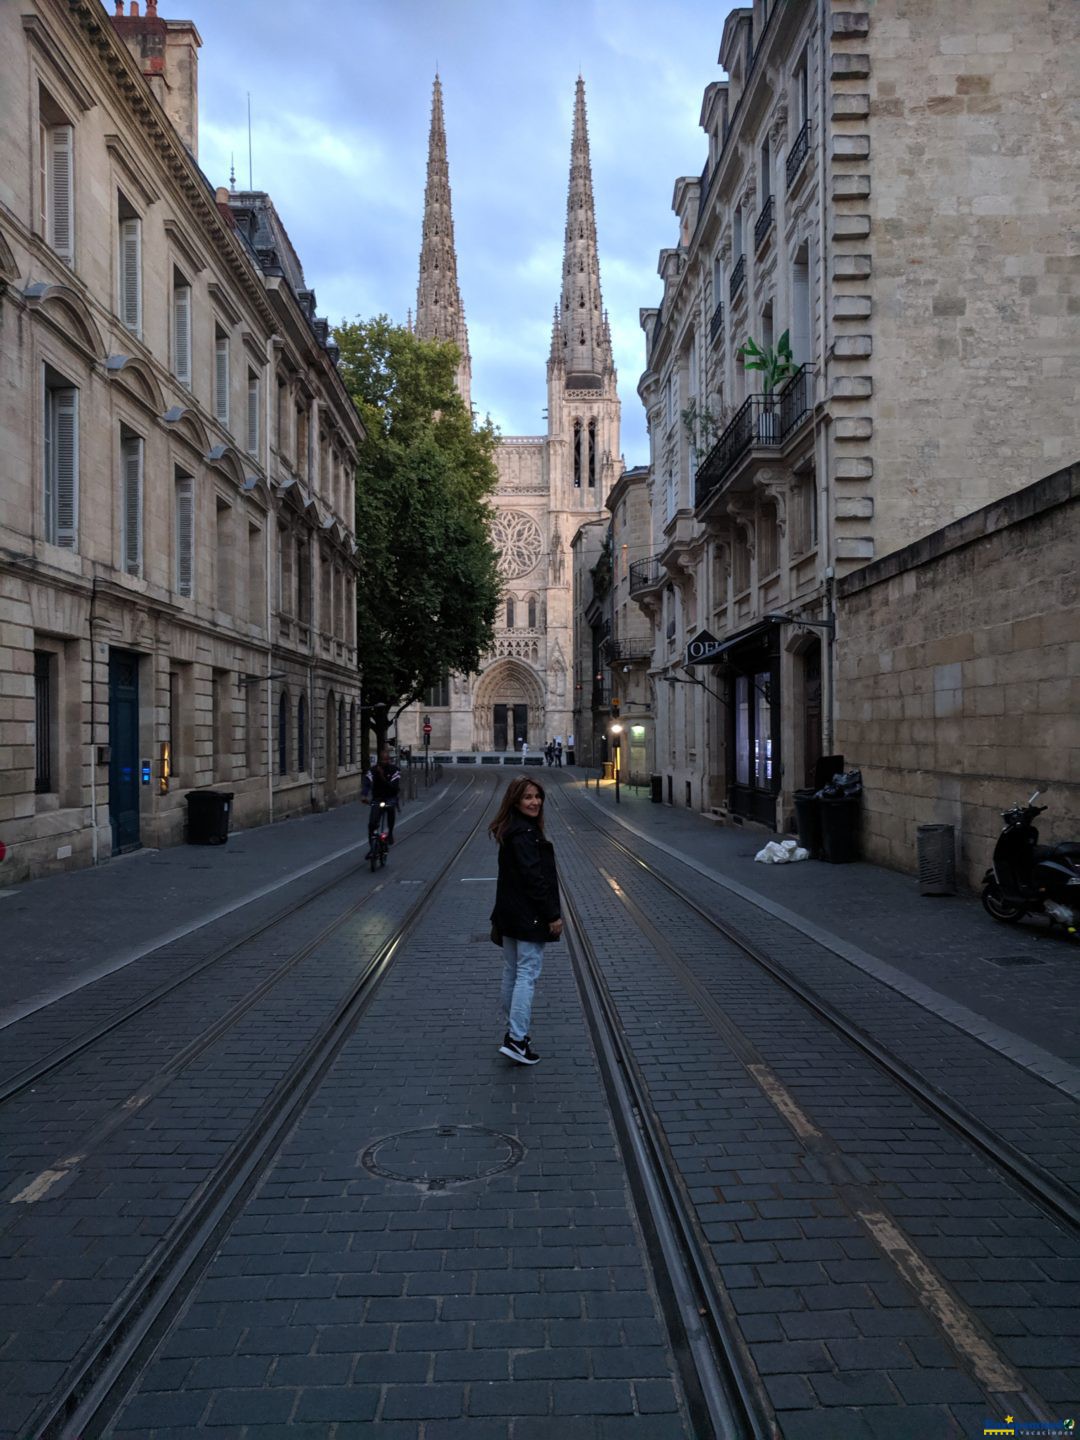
x,y
508,707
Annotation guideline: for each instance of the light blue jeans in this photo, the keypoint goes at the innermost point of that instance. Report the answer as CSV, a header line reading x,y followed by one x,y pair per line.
x,y
522,962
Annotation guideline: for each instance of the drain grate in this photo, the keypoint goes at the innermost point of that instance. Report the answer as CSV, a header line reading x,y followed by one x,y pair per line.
x,y
1010,962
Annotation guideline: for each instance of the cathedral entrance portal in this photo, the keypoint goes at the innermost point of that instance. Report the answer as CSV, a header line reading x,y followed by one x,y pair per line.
x,y
511,727
508,706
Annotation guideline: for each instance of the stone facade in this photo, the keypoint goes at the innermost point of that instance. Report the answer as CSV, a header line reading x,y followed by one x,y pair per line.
x,y
894,190
154,475
959,676
548,485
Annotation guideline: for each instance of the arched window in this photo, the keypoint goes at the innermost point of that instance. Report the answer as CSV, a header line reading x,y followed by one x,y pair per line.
x,y
283,733
532,612
301,733
509,612
341,734
352,734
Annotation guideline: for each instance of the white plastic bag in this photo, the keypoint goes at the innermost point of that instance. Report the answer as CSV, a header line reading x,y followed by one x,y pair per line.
x,y
781,852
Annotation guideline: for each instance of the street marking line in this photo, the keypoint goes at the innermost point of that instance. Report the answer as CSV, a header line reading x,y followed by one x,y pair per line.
x,y
785,1102
477,879
39,1187
993,1373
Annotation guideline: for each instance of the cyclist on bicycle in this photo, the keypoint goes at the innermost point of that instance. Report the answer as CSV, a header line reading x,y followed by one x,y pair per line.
x,y
381,785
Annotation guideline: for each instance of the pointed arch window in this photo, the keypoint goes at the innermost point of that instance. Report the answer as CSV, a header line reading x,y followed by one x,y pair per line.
x,y
509,612
532,612
592,454
577,454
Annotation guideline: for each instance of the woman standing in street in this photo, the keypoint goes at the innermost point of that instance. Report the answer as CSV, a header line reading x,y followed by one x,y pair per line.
x,y
526,914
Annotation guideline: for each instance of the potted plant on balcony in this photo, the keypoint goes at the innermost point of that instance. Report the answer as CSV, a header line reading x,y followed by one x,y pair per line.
x,y
776,364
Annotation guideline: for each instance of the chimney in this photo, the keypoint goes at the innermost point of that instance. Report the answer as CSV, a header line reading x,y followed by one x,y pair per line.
x,y
166,53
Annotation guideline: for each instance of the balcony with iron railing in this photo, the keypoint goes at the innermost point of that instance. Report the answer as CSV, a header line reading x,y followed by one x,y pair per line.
x,y
800,148
716,323
764,422
646,574
626,649
738,278
764,223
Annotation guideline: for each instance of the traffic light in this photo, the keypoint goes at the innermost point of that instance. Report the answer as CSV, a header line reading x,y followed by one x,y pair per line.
x,y
614,708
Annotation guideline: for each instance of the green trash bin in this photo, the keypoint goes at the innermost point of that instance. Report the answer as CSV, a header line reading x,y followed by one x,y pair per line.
x,y
208,816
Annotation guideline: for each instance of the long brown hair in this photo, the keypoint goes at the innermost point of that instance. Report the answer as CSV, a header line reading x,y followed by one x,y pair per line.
x,y
514,792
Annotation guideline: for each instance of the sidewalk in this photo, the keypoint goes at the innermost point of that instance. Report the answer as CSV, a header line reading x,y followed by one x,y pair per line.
x,y
1006,984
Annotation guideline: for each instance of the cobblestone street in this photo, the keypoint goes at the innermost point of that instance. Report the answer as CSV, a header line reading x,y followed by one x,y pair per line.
x,y
441,1244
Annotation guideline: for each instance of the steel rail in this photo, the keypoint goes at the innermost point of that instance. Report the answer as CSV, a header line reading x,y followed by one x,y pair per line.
x,y
32,1074
723,1400
98,1380
1057,1199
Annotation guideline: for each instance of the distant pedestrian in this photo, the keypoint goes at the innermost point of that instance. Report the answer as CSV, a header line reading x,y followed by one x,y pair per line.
x,y
549,752
570,749
524,748
527,915
558,751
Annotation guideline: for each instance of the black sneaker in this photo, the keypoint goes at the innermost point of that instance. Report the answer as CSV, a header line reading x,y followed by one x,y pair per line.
x,y
519,1050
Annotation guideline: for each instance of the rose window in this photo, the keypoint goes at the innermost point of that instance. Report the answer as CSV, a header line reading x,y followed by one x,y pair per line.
x,y
517,538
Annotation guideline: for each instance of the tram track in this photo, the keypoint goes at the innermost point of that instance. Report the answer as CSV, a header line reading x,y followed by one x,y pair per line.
x,y
1041,1188
106,1367
31,1075
719,1377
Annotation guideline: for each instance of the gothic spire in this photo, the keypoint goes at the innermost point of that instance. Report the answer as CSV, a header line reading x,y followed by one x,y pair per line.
x,y
440,314
586,342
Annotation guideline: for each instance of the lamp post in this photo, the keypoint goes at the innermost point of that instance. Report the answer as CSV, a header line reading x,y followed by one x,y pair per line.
x,y
616,732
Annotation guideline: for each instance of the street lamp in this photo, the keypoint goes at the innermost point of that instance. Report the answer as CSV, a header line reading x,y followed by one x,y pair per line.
x,y
616,730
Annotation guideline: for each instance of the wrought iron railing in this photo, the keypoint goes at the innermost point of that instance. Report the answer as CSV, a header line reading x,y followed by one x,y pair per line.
x,y
762,421
716,324
738,276
626,648
644,574
763,224
798,153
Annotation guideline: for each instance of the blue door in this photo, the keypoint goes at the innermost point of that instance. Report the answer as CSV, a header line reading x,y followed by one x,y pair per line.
x,y
124,750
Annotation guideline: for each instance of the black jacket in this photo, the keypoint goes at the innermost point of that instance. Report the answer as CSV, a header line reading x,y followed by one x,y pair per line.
x,y
527,893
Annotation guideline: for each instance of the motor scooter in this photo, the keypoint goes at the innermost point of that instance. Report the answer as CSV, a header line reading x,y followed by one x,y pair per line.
x,y
1027,878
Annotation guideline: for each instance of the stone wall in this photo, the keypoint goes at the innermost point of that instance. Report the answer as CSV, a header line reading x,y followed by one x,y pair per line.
x,y
959,676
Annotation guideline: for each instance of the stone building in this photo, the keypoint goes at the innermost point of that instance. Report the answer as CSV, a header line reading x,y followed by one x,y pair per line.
x,y
894,190
177,569
592,699
548,484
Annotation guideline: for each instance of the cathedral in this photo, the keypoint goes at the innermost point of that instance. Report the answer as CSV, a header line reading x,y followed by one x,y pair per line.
x,y
548,486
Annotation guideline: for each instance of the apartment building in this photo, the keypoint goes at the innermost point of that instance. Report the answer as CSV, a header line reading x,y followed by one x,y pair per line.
x,y
177,557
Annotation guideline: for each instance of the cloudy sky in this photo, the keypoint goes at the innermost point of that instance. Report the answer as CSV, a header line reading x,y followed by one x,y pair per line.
x,y
340,96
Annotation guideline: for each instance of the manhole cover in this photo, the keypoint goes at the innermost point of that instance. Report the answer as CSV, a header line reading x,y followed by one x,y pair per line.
x,y
1007,962
442,1156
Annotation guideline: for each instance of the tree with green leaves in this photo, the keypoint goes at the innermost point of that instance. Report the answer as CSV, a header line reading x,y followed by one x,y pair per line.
x,y
429,583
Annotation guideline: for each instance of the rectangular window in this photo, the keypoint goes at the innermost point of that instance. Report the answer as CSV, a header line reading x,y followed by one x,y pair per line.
x,y
303,582
57,179
129,269
60,461
438,697
44,722
131,501
253,413
184,522
181,328
253,698
256,575
224,556
221,375
221,726
765,178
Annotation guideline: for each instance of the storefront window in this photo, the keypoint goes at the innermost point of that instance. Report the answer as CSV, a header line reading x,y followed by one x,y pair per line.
x,y
742,730
762,731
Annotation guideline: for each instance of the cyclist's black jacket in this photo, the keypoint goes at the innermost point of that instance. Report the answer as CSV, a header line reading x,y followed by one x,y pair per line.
x,y
383,782
527,893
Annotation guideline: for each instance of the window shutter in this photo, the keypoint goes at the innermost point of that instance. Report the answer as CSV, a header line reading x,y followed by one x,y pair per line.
x,y
182,333
61,191
185,534
221,378
253,415
131,499
130,276
66,460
